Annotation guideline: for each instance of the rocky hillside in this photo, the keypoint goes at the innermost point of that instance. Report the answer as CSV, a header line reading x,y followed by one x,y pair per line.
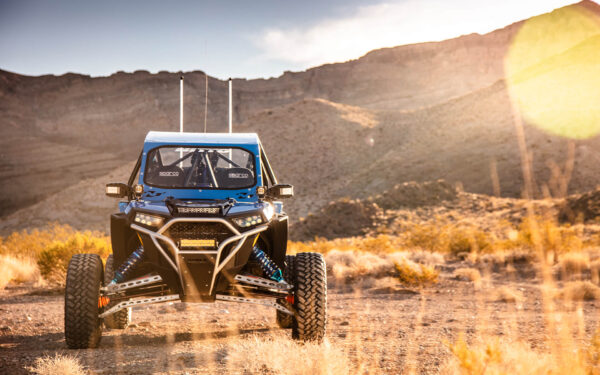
x,y
411,113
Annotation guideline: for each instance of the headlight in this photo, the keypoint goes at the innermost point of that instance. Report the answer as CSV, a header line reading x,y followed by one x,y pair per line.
x,y
150,220
248,221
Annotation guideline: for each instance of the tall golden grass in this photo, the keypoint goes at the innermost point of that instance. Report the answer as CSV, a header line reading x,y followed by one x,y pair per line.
x,y
459,238
42,255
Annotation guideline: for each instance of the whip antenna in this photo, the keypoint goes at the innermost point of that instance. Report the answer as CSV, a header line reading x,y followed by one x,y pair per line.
x,y
205,100
181,104
181,116
230,108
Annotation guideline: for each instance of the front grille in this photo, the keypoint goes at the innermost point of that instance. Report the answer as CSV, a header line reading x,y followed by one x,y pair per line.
x,y
191,235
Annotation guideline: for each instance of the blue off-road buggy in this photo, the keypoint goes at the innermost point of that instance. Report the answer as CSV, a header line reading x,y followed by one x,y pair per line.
x,y
203,223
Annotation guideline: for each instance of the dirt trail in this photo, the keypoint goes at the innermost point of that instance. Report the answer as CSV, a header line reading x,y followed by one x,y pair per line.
x,y
386,328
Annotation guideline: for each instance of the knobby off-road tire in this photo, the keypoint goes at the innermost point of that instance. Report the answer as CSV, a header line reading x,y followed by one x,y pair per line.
x,y
83,327
310,299
284,320
120,319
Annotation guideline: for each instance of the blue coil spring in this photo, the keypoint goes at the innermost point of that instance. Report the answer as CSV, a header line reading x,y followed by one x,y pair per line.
x,y
134,259
267,265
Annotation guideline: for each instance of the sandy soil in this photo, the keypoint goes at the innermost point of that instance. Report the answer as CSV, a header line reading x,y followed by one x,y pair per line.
x,y
389,329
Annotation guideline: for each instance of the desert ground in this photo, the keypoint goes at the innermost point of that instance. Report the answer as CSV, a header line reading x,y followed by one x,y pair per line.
x,y
389,329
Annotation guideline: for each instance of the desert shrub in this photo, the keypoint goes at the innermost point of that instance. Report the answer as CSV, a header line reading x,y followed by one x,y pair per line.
x,y
546,234
426,237
447,238
373,244
29,243
468,240
54,259
574,263
416,274
48,250
469,274
59,364
508,295
360,269
580,291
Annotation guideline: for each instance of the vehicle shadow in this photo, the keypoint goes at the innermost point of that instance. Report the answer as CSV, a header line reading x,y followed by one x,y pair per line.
x,y
146,339
56,341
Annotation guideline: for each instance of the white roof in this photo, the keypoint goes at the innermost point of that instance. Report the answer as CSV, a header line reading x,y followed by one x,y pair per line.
x,y
202,138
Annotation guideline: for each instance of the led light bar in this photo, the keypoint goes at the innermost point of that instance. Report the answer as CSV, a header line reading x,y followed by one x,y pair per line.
x,y
197,243
198,210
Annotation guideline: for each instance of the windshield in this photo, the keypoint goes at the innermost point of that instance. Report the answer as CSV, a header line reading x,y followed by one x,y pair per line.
x,y
200,167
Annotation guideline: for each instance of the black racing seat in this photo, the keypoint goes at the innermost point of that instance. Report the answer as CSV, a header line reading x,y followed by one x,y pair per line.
x,y
166,176
233,178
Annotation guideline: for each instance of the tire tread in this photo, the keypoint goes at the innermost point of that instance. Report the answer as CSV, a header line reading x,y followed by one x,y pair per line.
x,y
83,327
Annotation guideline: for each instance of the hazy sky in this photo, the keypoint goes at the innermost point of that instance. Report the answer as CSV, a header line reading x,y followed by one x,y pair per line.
x,y
245,38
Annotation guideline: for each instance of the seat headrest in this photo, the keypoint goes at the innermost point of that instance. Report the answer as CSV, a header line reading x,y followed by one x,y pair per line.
x,y
167,176
232,178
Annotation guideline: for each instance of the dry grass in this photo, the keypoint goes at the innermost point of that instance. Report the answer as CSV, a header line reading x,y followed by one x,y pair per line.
x,y
365,270
574,263
595,271
494,357
292,358
27,254
15,270
379,244
469,274
508,295
410,273
579,291
59,364
444,237
54,259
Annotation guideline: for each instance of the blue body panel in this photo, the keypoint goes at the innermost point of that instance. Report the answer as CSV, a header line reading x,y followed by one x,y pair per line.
x,y
160,207
247,141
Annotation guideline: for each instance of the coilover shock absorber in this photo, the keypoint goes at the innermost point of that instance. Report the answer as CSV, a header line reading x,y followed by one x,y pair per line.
x,y
134,259
267,265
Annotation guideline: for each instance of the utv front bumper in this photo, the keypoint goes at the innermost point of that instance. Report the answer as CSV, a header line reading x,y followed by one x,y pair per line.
x,y
202,269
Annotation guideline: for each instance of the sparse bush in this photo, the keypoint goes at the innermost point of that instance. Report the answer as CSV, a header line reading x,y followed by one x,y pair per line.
x,y
372,244
468,240
580,291
49,250
416,274
508,295
447,238
574,263
59,364
54,259
469,274
545,234
28,244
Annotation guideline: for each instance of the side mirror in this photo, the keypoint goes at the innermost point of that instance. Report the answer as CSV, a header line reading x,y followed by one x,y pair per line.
x,y
117,190
280,191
